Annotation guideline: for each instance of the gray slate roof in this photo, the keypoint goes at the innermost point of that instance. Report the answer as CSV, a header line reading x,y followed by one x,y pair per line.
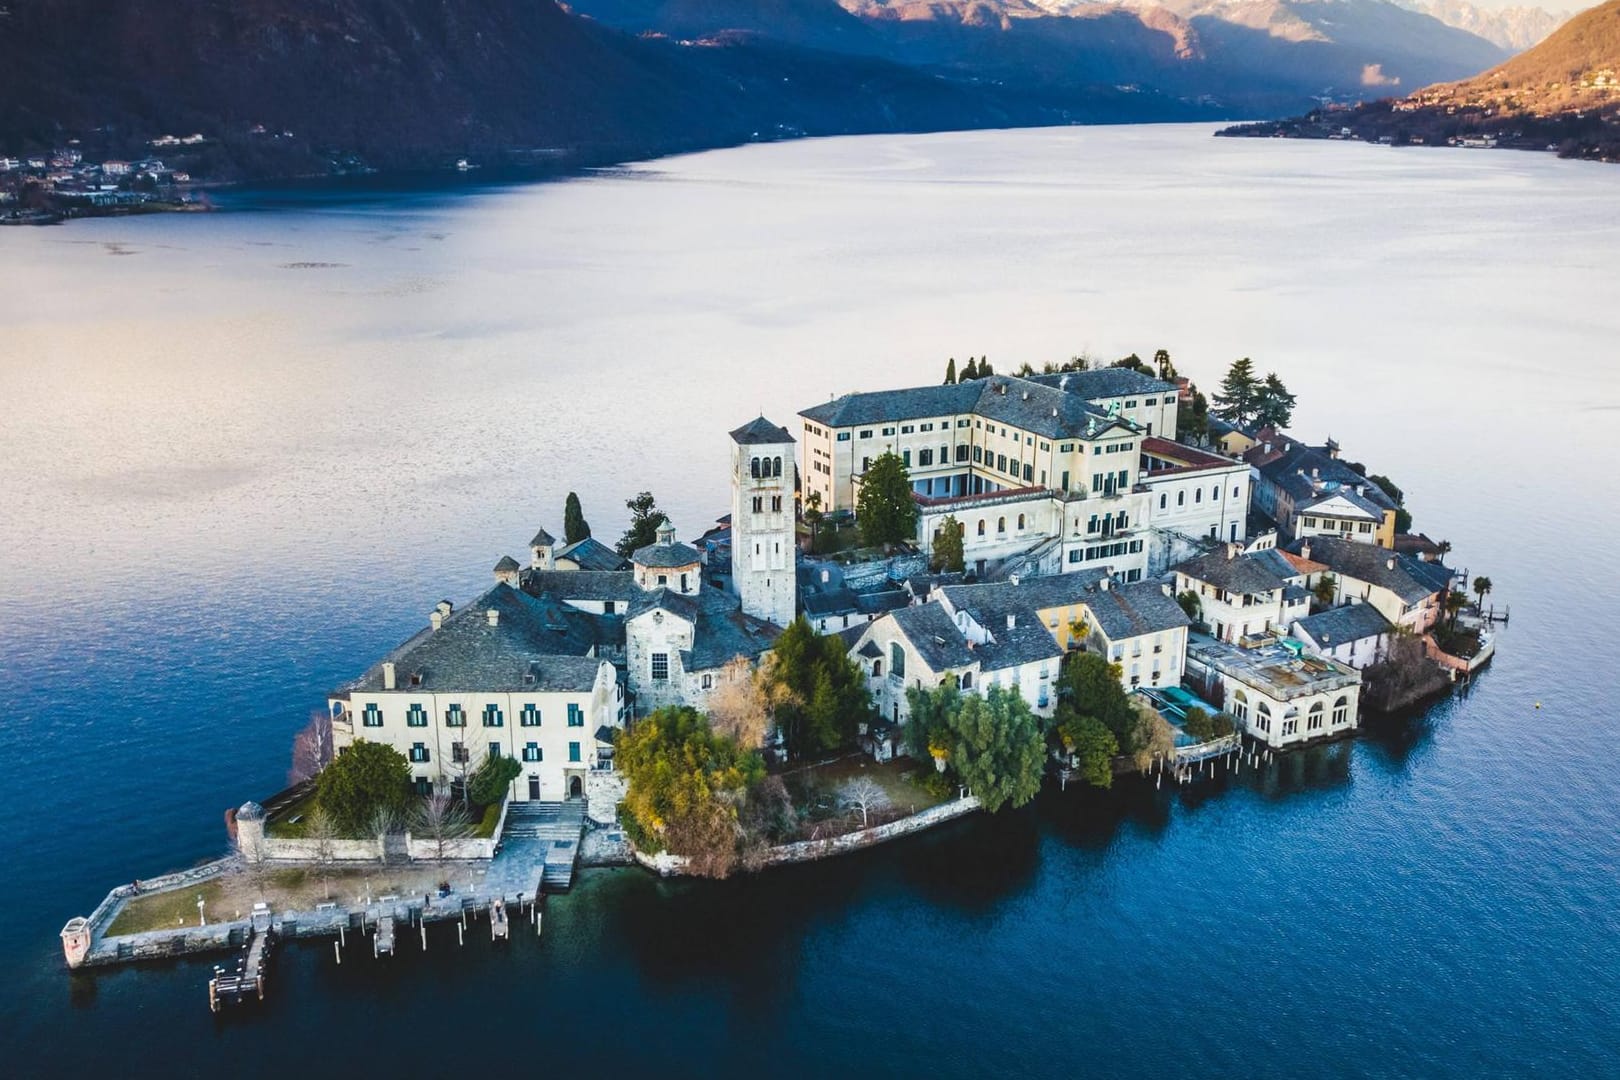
x,y
591,554
831,602
993,602
1243,574
619,585
720,631
1409,578
882,406
760,431
506,565
1108,382
1335,626
1291,471
1006,399
542,539
666,556
1126,611
934,635
468,654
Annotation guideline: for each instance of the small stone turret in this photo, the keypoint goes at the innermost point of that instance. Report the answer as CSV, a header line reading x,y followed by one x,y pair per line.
x,y
507,571
542,551
250,831
76,940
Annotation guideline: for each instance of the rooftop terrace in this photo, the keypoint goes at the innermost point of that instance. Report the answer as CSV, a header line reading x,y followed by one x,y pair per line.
x,y
1279,670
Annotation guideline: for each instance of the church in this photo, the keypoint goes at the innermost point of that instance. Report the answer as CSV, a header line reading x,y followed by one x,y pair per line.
x,y
558,655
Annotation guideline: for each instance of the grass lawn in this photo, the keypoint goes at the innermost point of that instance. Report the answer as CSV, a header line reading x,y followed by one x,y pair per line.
x,y
288,822
816,791
165,911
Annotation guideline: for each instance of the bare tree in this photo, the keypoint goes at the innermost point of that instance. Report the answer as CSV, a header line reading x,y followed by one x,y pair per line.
x,y
385,822
312,748
441,820
865,794
322,831
740,705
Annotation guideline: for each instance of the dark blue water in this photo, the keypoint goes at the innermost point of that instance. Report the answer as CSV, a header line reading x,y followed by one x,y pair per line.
x,y
229,479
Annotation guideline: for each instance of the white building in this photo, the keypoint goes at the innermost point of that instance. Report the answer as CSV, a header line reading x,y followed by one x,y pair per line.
x,y
483,682
1244,595
1277,694
1406,590
1355,635
764,548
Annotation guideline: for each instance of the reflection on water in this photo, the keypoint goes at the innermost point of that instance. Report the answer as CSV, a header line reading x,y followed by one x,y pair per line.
x,y
246,455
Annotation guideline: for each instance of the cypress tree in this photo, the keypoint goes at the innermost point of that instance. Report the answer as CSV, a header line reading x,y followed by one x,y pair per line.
x,y
950,371
575,527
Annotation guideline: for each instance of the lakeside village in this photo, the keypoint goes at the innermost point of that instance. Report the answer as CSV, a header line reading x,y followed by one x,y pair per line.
x,y
926,602
45,189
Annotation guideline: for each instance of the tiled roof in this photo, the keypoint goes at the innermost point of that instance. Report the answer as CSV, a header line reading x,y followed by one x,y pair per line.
x,y
542,539
467,653
1006,399
1109,382
935,637
1335,626
506,565
831,602
1359,502
1126,611
1240,574
723,633
591,554
666,556
618,585
882,406
760,431
1407,577
1308,471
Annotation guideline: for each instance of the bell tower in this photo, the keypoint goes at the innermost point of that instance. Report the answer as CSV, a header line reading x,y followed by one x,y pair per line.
x,y
764,555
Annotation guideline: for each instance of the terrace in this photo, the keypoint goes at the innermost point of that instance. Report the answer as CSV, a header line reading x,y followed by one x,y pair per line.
x,y
1279,669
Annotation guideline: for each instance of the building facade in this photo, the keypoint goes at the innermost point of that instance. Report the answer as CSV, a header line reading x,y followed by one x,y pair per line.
x,y
764,548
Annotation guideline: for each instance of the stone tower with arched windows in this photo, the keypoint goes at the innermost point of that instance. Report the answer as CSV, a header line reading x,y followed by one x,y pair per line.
x,y
764,566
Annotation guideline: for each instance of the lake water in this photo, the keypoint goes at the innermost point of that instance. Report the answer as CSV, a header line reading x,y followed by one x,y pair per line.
x,y
241,454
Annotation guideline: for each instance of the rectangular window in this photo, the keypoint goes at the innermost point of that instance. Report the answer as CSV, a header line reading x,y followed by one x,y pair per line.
x,y
867,434
1131,404
454,717
419,752
905,458
907,429
888,431
962,422
531,751
493,717
416,716
573,751
458,753
372,717
1029,473
961,452
978,454
494,749
759,504
843,436
576,715
1290,727
925,458
530,717
660,665
776,504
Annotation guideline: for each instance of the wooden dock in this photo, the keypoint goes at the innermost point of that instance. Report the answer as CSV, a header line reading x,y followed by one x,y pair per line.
x,y
232,985
382,943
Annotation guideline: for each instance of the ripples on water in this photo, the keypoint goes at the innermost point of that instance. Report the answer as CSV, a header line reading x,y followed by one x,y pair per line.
x,y
243,454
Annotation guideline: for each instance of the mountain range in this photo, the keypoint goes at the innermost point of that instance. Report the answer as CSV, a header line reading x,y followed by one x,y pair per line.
x,y
291,86
1563,95
1512,28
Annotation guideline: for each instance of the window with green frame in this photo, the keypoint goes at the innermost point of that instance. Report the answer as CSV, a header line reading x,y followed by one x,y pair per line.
x,y
416,716
493,717
573,751
576,715
454,717
372,716
530,716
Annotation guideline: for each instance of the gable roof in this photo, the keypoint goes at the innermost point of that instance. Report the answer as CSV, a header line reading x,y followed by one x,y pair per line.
x,y
1108,382
1409,578
1360,504
1339,625
760,431
1127,611
1237,574
1007,399
881,406
934,636
591,554
618,585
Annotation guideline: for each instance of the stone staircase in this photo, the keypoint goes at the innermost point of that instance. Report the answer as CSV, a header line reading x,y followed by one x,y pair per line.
x,y
558,827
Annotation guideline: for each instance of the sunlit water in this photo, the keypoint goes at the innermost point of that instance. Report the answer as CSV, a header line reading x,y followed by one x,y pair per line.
x,y
241,454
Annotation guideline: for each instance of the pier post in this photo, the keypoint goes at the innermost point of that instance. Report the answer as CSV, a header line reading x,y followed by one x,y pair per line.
x,y
337,951
461,938
424,936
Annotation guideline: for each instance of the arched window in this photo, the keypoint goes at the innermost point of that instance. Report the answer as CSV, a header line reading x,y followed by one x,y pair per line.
x,y
1341,711
753,469
776,467
1020,522
967,680
1001,525
1313,722
877,668
981,526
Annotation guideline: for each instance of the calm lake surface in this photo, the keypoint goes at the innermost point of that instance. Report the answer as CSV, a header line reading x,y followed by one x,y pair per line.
x,y
241,454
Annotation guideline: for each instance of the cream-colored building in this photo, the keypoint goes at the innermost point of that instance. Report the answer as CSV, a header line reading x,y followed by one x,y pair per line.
x,y
1279,695
1244,595
480,682
764,547
1406,590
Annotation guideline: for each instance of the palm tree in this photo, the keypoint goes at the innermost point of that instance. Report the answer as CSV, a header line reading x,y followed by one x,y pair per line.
x,y
1454,602
1482,586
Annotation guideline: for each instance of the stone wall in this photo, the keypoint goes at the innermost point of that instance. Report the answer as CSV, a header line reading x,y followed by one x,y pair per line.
x,y
604,791
666,865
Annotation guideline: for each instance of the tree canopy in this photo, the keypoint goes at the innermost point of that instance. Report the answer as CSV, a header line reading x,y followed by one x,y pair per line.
x,y
489,784
575,527
1093,747
364,778
1235,400
948,555
950,371
645,517
686,786
885,509
994,744
818,694
1273,404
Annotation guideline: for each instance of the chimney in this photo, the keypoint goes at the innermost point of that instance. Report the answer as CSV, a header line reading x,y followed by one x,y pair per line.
x,y
1025,396
445,607
1315,472
1012,579
826,576
1389,563
1012,620
1267,448
436,618
1305,550
390,680
494,616
1106,583
1167,590
1233,550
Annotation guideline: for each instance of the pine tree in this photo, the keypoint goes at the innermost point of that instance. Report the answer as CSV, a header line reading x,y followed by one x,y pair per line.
x,y
885,510
948,555
1235,401
575,527
645,517
950,371
1273,404
985,370
970,371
